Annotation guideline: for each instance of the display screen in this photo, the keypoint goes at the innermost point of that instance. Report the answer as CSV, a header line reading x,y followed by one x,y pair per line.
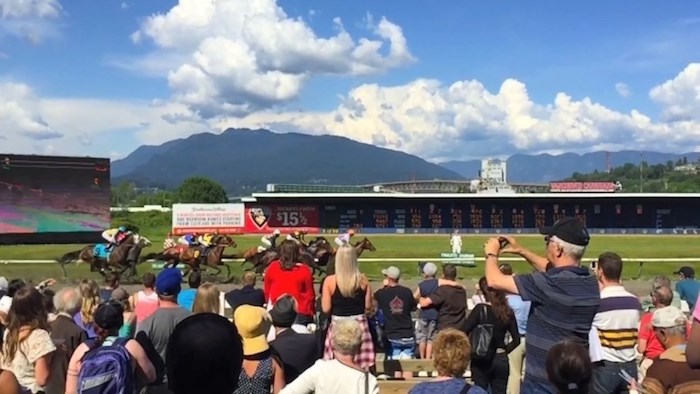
x,y
40,194
504,213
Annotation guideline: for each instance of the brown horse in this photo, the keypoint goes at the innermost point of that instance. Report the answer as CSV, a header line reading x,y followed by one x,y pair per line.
x,y
193,256
124,256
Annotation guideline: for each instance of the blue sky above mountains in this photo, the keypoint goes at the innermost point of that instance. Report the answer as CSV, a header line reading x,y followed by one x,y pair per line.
x,y
449,80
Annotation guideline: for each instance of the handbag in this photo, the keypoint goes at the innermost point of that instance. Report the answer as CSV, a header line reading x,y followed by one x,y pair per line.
x,y
481,339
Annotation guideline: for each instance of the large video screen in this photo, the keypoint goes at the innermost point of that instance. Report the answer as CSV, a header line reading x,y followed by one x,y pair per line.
x,y
51,194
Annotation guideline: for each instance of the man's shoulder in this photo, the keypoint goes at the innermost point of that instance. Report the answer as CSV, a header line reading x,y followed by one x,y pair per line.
x,y
64,325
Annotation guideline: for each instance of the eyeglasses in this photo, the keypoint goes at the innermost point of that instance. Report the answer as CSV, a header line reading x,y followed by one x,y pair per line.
x,y
547,239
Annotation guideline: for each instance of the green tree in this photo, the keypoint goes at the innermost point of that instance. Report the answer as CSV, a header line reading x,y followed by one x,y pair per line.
x,y
201,190
123,195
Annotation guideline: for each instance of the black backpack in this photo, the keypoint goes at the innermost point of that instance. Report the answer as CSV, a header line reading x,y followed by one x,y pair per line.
x,y
481,338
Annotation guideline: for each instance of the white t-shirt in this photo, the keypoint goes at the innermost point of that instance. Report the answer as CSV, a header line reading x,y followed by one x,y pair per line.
x,y
331,376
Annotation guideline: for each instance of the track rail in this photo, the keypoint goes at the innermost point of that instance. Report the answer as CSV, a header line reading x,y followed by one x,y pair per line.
x,y
415,259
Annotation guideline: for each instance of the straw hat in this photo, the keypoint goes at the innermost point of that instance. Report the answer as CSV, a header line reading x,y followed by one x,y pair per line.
x,y
253,324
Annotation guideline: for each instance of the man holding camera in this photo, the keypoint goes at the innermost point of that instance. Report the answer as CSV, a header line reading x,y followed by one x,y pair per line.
x,y
564,296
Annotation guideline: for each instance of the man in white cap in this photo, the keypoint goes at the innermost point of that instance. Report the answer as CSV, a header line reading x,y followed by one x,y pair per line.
x,y
671,368
426,327
396,303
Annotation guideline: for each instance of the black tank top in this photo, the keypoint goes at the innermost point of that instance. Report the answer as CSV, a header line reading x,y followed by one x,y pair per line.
x,y
348,306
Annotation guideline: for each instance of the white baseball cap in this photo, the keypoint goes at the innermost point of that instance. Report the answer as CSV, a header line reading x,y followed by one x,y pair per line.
x,y
668,317
430,269
392,272
4,284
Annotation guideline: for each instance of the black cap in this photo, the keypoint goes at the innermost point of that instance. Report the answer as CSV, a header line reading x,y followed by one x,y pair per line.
x,y
109,316
686,271
568,229
204,355
283,313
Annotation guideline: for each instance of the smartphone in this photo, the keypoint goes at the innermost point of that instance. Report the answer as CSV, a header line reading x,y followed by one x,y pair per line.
x,y
593,264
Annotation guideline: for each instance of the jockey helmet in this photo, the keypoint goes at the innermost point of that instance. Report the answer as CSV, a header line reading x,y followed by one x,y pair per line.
x,y
351,231
122,229
277,232
297,233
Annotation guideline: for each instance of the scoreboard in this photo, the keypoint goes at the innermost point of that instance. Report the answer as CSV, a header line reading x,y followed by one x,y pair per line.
x,y
483,214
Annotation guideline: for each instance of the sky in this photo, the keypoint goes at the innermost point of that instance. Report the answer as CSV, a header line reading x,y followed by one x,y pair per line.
x,y
452,80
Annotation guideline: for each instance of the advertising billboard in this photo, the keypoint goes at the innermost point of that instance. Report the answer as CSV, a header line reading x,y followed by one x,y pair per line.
x,y
206,218
584,187
53,199
287,218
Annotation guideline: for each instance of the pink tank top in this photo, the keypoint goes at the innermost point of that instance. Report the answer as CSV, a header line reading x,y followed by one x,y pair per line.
x,y
145,305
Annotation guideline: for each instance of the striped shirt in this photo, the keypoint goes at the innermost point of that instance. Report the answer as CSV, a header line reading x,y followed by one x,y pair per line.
x,y
564,302
670,374
617,324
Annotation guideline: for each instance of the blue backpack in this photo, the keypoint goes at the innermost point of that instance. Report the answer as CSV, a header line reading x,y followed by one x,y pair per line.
x,y
106,369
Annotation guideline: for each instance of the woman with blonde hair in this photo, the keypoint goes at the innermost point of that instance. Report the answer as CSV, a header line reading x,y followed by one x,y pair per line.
x,y
207,299
90,293
451,356
347,294
27,346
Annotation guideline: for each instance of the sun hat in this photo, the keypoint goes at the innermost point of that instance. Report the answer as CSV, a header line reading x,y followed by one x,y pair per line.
x,y
253,324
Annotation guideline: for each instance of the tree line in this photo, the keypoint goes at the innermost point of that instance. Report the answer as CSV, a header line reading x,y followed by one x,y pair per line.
x,y
199,190
658,178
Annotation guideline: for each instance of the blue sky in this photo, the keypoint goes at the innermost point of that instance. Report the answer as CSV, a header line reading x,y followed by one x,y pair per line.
x,y
454,81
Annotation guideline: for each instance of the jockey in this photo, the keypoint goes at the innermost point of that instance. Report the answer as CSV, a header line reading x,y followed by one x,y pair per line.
x,y
115,236
343,239
188,239
270,240
298,237
206,239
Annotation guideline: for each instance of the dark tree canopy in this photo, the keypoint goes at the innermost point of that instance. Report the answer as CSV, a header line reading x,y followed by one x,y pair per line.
x,y
201,190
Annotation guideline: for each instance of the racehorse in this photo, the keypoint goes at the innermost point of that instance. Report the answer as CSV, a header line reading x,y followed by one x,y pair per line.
x,y
314,255
193,256
122,257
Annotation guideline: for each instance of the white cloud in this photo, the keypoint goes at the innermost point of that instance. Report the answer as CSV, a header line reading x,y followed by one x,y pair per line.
x,y
20,116
680,96
622,89
465,120
19,9
238,56
29,19
423,117
124,5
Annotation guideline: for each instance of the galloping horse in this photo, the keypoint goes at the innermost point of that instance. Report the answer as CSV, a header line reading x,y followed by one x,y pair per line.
x,y
193,256
124,256
314,256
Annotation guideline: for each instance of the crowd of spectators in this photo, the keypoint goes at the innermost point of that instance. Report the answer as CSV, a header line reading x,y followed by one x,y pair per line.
x,y
563,328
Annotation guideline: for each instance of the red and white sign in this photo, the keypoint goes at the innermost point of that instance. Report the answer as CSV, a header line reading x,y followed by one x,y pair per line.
x,y
261,218
583,187
206,218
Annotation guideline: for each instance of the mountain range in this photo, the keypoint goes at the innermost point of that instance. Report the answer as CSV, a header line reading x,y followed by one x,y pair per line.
x,y
244,161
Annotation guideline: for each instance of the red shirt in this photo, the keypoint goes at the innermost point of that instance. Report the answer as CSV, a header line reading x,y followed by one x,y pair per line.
x,y
298,282
646,331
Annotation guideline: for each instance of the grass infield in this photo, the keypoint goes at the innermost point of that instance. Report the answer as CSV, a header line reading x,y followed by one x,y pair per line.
x,y
633,248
